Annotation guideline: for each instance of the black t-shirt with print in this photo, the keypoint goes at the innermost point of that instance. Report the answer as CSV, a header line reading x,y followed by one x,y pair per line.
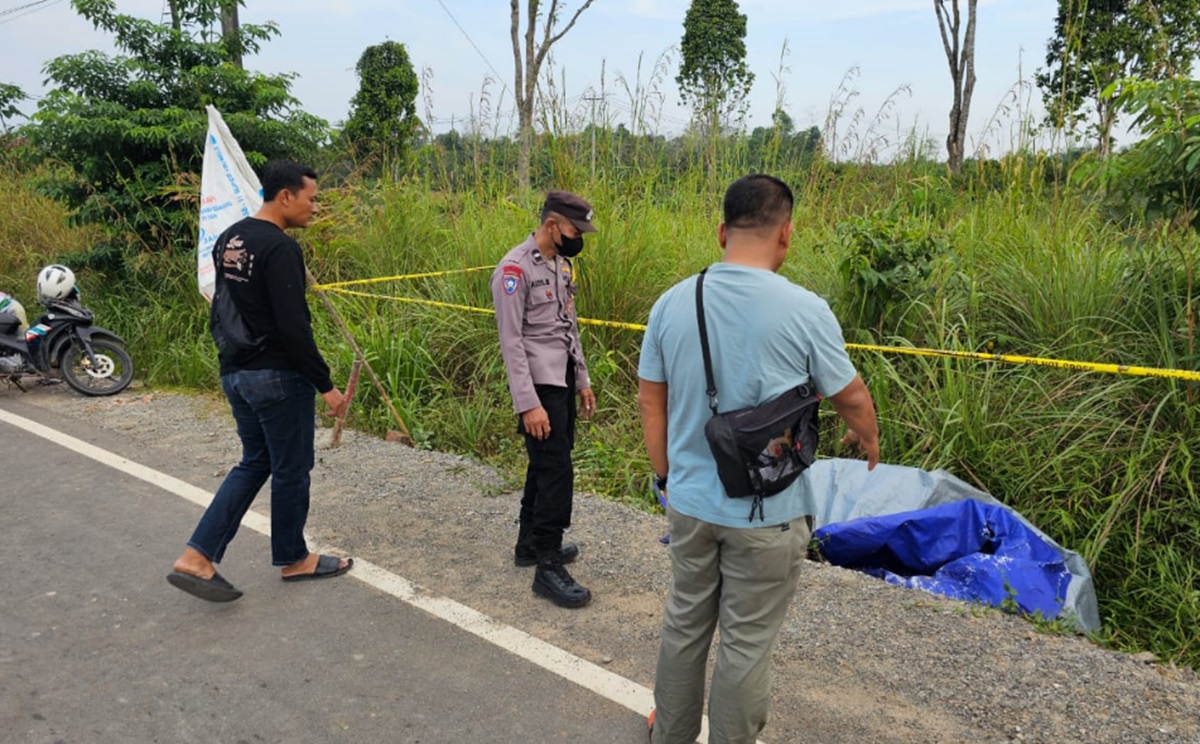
x,y
263,269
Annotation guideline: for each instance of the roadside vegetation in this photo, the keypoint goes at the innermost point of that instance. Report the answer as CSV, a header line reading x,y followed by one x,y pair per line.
x,y
1010,260
1070,255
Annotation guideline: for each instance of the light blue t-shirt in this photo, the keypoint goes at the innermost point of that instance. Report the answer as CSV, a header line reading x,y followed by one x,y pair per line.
x,y
766,335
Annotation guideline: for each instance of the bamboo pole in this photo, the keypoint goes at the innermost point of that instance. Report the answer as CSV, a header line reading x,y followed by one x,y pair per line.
x,y
405,437
351,386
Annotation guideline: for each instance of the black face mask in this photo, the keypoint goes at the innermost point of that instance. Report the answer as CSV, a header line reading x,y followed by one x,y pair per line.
x,y
570,247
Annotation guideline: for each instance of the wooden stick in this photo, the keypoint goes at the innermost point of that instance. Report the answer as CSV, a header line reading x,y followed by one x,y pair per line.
x,y
351,386
406,438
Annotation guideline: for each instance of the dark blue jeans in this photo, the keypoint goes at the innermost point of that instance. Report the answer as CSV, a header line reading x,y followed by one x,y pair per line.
x,y
274,411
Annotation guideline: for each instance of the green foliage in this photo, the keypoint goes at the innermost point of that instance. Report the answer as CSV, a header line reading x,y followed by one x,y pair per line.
x,y
128,130
33,231
10,96
1158,176
1098,42
1009,604
770,147
383,116
1104,464
713,76
888,258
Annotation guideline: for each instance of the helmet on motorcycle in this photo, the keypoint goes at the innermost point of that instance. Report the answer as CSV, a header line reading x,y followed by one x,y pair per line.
x,y
55,282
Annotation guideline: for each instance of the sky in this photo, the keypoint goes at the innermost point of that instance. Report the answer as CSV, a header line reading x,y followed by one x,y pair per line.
x,y
880,63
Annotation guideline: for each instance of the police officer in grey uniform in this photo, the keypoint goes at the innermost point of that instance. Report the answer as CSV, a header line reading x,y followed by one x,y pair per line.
x,y
533,289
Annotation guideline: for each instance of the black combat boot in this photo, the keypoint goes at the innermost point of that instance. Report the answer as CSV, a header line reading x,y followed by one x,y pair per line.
x,y
554,582
525,558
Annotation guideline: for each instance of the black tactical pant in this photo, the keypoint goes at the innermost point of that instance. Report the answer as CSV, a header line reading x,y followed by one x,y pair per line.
x,y
550,477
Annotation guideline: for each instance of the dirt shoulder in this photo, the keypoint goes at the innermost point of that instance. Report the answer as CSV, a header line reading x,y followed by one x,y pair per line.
x,y
857,660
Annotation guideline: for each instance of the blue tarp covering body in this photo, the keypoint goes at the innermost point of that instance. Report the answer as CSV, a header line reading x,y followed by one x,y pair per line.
x,y
932,531
965,550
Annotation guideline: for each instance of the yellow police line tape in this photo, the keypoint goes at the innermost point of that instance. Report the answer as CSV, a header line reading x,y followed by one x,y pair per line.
x,y
379,280
1116,369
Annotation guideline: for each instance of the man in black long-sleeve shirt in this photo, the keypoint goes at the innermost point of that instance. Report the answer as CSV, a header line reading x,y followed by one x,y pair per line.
x,y
270,389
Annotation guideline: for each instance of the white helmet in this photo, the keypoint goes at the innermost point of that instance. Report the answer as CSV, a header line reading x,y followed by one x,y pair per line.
x,y
55,283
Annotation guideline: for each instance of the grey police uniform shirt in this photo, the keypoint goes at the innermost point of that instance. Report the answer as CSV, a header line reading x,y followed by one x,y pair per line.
x,y
534,299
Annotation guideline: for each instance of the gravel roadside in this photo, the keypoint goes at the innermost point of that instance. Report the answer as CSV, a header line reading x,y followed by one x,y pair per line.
x,y
857,660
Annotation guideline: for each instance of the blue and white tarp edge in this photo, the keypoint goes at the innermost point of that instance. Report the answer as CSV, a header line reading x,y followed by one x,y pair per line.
x,y
844,490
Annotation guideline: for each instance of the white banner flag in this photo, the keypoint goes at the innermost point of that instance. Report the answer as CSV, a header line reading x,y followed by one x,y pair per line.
x,y
229,191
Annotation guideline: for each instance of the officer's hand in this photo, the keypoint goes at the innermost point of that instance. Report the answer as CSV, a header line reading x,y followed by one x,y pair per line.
x,y
536,423
587,402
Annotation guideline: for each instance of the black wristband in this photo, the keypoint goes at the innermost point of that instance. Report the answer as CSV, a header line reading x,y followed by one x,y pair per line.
x,y
660,482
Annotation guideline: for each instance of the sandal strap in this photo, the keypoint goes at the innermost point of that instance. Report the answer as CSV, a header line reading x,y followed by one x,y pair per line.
x,y
327,564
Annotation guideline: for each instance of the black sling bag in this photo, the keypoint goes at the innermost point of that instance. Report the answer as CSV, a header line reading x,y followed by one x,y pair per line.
x,y
230,332
762,449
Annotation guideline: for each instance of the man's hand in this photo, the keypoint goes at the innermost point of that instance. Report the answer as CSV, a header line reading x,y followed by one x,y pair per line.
x,y
336,401
870,448
856,408
536,423
587,402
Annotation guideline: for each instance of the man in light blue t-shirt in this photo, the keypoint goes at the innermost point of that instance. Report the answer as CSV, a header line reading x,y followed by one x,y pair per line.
x,y
766,335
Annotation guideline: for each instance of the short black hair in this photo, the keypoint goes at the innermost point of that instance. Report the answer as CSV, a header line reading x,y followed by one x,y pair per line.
x,y
757,202
278,175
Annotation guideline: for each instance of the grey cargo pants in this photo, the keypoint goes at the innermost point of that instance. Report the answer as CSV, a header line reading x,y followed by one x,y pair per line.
x,y
742,578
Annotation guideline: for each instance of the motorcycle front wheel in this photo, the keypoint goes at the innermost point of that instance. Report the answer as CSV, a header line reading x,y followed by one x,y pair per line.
x,y
111,373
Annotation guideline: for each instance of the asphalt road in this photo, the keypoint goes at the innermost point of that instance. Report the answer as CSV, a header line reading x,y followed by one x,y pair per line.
x,y
96,647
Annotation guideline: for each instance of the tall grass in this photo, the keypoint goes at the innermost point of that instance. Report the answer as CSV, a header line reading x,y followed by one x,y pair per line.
x,y
33,231
1102,463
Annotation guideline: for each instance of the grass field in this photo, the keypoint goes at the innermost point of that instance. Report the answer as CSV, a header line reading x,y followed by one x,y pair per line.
x,y
1005,259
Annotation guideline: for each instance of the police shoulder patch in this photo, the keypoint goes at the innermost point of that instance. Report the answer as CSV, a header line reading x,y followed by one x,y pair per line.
x,y
510,278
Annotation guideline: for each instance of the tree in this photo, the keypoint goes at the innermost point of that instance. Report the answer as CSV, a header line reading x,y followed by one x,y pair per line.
x,y
527,64
1159,176
1099,42
10,96
383,113
959,45
778,146
229,30
713,78
131,127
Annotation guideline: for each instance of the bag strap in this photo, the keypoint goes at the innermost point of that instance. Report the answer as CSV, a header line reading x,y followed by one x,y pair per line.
x,y
708,373
219,247
218,258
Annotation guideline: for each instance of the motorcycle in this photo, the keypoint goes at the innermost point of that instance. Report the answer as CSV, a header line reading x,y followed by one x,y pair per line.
x,y
91,359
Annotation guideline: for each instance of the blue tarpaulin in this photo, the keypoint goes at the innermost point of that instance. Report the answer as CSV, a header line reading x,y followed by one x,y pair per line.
x,y
964,550
932,531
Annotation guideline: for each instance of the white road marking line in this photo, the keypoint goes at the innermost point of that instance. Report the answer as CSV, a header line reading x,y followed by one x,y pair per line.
x,y
582,672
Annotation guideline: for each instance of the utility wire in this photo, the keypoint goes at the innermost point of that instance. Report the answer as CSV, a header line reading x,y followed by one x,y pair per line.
x,y
30,8
22,7
471,41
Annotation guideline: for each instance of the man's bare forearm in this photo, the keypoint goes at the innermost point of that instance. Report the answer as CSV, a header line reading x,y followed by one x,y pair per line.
x,y
854,405
652,402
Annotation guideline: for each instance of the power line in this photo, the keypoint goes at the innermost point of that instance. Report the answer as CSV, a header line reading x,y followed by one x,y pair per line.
x,y
28,8
471,41
23,7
